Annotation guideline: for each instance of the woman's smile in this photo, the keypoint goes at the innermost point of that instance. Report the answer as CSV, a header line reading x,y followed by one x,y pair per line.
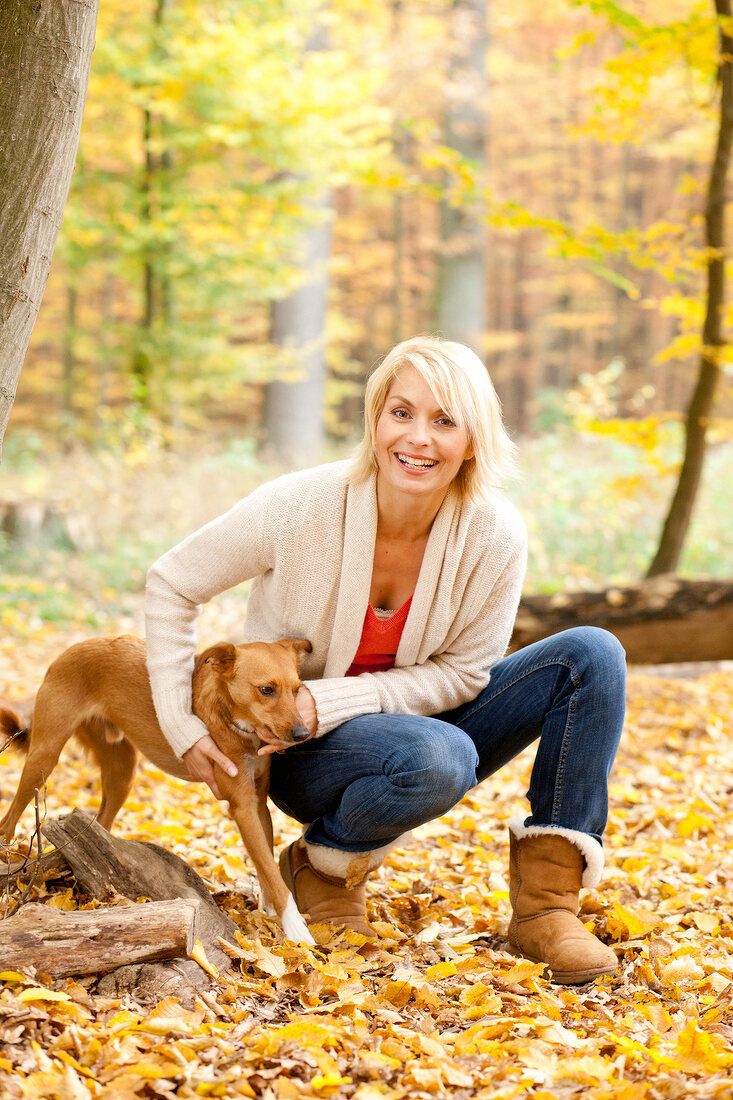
x,y
415,462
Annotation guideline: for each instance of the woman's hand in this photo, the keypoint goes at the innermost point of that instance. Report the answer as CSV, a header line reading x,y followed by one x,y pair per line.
x,y
200,760
306,705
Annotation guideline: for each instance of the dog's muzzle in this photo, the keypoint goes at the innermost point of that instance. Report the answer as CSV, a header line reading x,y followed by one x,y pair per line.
x,y
300,733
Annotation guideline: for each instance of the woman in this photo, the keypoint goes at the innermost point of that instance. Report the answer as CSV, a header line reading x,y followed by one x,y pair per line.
x,y
404,569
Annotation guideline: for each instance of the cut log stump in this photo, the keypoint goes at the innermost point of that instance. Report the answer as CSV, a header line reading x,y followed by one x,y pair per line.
x,y
101,862
94,941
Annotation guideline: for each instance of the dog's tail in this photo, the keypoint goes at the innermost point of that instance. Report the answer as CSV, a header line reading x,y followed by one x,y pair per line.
x,y
14,731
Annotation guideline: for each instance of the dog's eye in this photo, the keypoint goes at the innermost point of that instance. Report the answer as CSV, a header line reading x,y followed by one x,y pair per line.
x,y
267,689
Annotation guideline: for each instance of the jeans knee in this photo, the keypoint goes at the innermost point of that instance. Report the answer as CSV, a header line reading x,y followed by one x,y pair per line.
x,y
593,647
442,764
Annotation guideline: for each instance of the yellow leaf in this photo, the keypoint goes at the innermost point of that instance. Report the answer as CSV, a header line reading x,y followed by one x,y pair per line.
x,y
329,1081
706,922
523,970
699,1052
692,822
441,970
398,993
478,993
624,923
153,1070
199,955
36,993
12,976
682,969
64,1056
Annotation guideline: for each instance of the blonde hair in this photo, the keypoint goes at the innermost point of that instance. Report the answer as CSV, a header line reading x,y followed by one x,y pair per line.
x,y
461,384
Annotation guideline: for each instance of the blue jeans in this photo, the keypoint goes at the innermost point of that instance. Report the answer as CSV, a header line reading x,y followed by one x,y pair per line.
x,y
377,776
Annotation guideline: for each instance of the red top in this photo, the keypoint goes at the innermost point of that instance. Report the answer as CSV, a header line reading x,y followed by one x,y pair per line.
x,y
379,641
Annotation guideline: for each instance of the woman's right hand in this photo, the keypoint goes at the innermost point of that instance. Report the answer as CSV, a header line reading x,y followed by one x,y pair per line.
x,y
200,760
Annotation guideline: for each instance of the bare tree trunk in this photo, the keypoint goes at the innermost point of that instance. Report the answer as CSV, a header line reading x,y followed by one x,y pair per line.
x,y
462,306
69,341
678,518
153,293
294,410
45,55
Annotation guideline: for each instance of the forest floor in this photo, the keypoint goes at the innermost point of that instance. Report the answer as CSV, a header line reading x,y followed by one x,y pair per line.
x,y
436,1006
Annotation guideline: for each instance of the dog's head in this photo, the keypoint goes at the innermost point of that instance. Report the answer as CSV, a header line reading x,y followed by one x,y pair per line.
x,y
253,687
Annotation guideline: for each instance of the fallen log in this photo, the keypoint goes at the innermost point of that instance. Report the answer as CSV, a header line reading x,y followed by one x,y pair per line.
x,y
101,863
662,620
94,941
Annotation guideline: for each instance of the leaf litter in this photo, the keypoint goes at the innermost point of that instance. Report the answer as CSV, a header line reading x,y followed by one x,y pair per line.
x,y
437,1006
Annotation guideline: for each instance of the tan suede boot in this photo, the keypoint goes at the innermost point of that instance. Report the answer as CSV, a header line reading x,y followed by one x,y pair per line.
x,y
546,873
329,885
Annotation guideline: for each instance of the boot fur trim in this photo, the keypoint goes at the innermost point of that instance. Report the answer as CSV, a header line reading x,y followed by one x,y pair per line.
x,y
591,850
352,867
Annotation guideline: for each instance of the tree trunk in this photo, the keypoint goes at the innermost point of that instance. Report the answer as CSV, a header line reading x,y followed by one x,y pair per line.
x,y
69,342
44,71
94,941
678,518
294,421
462,306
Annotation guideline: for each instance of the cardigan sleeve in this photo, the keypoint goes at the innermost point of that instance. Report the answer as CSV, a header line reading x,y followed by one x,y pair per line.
x,y
444,681
227,551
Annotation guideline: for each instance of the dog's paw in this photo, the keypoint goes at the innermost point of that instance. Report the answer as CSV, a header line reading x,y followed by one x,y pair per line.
x,y
294,926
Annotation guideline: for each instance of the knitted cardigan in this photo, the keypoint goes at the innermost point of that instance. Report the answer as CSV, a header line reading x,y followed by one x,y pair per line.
x,y
308,541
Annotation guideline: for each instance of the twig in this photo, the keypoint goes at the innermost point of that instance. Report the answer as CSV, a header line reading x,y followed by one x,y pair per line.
x,y
9,871
37,861
13,737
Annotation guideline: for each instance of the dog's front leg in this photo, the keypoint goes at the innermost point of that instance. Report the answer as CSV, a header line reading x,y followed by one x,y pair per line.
x,y
243,796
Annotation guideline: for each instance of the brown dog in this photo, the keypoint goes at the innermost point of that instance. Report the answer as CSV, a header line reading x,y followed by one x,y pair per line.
x,y
244,695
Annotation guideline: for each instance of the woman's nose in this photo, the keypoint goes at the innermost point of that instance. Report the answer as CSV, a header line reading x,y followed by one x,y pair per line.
x,y
419,433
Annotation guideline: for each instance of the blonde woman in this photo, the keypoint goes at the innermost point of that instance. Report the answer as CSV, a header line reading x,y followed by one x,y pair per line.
x,y
404,569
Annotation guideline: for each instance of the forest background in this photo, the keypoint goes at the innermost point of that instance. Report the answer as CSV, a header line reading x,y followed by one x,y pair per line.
x,y
267,196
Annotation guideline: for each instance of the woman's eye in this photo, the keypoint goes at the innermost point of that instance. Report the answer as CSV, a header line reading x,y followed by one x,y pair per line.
x,y
266,690
446,422
401,413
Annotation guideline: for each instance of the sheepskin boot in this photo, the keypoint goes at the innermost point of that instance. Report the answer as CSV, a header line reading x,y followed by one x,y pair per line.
x,y
328,884
547,868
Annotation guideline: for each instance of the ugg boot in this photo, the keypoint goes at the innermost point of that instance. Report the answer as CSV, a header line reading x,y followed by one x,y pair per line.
x,y
328,884
547,868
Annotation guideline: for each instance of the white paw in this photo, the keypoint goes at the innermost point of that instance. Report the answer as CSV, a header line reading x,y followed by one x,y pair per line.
x,y
265,904
294,926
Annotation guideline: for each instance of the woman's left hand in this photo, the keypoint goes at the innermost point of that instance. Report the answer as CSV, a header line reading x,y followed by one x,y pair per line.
x,y
306,705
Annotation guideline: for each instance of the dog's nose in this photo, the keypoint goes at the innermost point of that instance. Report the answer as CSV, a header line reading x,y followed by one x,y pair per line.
x,y
300,733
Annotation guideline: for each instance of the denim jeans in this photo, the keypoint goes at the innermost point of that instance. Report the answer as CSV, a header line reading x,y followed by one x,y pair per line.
x,y
377,776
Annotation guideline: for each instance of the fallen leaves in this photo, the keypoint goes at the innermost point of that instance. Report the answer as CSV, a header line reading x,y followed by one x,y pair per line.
x,y
436,1007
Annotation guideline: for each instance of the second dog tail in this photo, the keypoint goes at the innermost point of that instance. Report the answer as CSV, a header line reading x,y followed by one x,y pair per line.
x,y
15,732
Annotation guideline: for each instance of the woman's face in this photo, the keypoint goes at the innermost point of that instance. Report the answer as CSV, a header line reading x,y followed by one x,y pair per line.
x,y
419,448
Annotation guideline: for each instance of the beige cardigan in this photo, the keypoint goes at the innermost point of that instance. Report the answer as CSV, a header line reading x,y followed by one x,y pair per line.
x,y
308,540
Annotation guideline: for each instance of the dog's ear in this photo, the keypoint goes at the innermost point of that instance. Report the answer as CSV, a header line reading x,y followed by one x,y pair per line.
x,y
298,646
221,657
